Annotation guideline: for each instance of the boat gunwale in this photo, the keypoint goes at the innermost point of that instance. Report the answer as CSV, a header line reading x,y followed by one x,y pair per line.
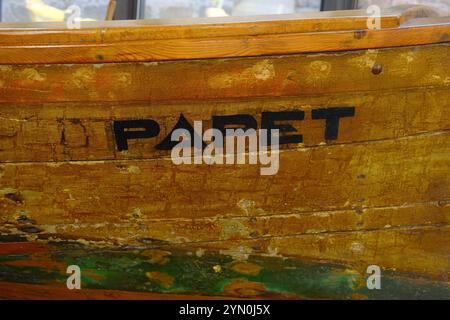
x,y
211,41
196,22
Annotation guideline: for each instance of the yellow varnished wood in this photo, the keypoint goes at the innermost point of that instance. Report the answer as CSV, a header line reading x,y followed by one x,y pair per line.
x,y
225,37
227,78
377,194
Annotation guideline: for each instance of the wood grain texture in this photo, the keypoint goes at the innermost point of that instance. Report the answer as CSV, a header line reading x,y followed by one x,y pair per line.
x,y
69,131
136,229
112,200
54,33
235,39
241,46
206,274
197,80
377,194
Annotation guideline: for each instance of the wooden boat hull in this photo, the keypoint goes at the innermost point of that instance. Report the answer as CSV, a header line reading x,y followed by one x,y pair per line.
x,y
374,189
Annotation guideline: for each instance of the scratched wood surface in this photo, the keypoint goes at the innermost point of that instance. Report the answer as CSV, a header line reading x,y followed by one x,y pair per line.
x,y
377,193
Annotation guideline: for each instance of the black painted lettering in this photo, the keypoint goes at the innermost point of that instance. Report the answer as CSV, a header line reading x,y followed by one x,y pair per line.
x,y
168,144
332,117
268,121
125,130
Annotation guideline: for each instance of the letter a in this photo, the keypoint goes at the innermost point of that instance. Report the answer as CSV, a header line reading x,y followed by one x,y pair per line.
x,y
74,281
374,280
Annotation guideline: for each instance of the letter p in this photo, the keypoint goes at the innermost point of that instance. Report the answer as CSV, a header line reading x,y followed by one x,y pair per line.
x,y
134,129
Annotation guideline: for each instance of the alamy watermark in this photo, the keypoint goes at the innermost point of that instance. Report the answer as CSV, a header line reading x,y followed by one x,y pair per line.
x,y
73,17
374,280
374,20
234,146
74,280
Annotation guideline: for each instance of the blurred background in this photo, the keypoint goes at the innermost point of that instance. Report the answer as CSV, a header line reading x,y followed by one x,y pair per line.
x,y
55,10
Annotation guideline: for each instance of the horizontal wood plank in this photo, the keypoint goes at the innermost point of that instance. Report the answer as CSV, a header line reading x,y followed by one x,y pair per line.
x,y
285,35
213,273
138,228
383,173
198,80
297,75
415,250
80,132
103,32
377,194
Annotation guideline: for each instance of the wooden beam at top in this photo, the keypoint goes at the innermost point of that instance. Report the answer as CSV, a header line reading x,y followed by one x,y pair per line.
x,y
127,41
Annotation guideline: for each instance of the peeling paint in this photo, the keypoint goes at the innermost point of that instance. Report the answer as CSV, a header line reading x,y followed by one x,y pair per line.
x,y
357,247
232,229
261,71
212,274
123,79
318,71
244,287
163,279
33,74
83,77
217,268
246,205
199,253
7,191
155,256
366,60
247,268
240,253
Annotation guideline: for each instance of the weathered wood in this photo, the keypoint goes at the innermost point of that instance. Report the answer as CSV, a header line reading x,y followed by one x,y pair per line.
x,y
62,132
359,237
160,29
204,274
92,46
422,250
376,192
296,75
137,227
324,178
